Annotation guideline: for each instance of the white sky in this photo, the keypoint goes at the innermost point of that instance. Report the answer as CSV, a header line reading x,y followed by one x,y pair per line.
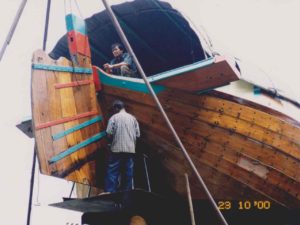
x,y
263,32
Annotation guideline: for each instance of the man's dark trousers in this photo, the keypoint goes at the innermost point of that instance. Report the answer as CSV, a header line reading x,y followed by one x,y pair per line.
x,y
119,164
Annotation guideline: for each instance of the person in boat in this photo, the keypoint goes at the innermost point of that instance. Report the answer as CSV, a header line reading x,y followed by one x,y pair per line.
x,y
122,63
123,130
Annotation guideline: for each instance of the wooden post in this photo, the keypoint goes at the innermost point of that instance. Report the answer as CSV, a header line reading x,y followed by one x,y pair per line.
x,y
188,190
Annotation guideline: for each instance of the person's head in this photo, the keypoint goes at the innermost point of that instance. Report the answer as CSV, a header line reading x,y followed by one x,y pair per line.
x,y
118,105
117,49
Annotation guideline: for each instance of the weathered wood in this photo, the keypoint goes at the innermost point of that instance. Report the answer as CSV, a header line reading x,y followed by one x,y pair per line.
x,y
40,113
51,104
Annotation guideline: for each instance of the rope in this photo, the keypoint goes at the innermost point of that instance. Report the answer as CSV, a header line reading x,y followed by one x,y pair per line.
x,y
77,6
31,185
142,73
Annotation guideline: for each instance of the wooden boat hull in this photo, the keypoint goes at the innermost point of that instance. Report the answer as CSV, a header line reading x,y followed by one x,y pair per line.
x,y
243,151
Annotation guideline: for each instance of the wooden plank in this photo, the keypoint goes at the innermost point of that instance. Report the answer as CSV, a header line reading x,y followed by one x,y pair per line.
x,y
57,68
39,96
73,84
65,120
237,125
75,128
260,117
77,147
214,75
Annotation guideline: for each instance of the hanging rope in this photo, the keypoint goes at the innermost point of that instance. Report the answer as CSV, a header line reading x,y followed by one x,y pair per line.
x,y
31,185
142,73
79,11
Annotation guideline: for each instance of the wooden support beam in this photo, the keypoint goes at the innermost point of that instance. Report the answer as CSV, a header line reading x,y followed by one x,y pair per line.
x,y
64,120
73,84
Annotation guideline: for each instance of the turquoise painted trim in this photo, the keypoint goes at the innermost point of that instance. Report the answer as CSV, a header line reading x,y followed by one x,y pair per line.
x,y
141,87
75,128
128,84
62,68
75,148
75,23
180,70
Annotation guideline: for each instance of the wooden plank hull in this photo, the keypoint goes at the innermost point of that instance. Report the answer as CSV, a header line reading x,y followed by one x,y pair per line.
x,y
243,151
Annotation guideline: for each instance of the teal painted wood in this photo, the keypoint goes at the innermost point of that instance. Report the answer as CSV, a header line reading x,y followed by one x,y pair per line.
x,y
62,68
75,128
75,23
128,84
141,87
181,70
75,148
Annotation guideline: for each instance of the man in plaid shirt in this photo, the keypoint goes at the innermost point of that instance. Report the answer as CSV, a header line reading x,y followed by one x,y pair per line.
x,y
123,128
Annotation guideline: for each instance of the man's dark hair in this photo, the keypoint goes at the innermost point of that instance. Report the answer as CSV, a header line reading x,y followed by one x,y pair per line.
x,y
120,46
118,104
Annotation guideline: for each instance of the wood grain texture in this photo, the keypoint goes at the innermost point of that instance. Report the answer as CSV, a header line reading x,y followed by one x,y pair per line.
x,y
257,151
215,75
52,104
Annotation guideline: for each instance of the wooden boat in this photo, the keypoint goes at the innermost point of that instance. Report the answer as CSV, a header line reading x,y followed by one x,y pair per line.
x,y
244,150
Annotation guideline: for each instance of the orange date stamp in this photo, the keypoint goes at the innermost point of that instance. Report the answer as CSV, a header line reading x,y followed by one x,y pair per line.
x,y
244,205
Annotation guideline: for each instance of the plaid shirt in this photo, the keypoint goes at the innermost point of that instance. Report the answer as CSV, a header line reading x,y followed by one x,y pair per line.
x,y
125,129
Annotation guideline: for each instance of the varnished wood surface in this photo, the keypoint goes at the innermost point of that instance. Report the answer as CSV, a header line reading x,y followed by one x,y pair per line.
x,y
258,152
214,75
51,104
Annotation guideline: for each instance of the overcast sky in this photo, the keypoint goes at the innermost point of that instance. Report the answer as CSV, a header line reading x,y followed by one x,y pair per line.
x,y
263,32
